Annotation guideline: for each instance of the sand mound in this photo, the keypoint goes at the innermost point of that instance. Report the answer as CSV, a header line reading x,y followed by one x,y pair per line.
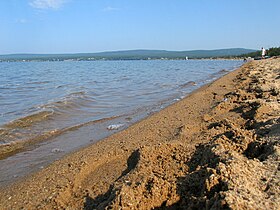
x,y
236,169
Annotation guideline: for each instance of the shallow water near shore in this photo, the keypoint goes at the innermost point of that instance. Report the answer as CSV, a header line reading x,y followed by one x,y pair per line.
x,y
53,108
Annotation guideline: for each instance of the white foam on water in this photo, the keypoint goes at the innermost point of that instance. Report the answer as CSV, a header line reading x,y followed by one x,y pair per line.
x,y
115,126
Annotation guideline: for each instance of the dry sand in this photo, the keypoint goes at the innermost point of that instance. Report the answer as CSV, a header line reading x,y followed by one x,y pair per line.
x,y
216,149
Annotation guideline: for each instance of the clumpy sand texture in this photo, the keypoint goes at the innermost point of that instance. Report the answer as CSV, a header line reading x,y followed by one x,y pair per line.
x,y
216,149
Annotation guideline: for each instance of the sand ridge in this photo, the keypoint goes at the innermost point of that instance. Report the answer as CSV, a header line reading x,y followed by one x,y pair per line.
x,y
216,149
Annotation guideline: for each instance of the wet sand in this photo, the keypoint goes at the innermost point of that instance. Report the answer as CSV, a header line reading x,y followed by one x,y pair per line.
x,y
217,148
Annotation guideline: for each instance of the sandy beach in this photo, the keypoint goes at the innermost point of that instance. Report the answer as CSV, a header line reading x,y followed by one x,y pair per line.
x,y
216,149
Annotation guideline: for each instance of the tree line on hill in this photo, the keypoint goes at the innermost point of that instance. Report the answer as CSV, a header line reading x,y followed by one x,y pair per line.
x,y
273,51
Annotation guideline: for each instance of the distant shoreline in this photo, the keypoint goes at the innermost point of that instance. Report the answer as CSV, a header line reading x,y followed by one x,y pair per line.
x,y
91,60
232,53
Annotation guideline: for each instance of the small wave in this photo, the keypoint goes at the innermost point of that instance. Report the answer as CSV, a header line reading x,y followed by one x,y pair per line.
x,y
10,144
124,78
223,71
77,94
38,82
215,75
69,103
9,148
188,84
29,120
68,106
6,88
165,85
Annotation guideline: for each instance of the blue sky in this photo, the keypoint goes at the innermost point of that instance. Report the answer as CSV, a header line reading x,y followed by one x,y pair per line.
x,y
74,26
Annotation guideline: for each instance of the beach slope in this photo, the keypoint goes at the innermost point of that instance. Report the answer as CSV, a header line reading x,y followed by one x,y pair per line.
x,y
216,149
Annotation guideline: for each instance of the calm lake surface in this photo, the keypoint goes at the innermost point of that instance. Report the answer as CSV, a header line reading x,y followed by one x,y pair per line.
x,y
57,107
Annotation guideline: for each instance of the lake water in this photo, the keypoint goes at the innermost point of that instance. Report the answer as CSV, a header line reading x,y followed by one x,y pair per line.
x,y
48,109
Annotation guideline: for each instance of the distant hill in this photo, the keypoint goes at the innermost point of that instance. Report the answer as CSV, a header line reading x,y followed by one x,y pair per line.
x,y
130,55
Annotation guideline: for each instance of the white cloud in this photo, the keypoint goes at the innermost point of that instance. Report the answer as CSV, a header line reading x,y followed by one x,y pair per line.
x,y
47,4
108,9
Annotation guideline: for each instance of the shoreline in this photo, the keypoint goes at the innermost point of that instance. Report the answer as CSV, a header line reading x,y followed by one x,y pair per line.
x,y
38,146
20,131
146,164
